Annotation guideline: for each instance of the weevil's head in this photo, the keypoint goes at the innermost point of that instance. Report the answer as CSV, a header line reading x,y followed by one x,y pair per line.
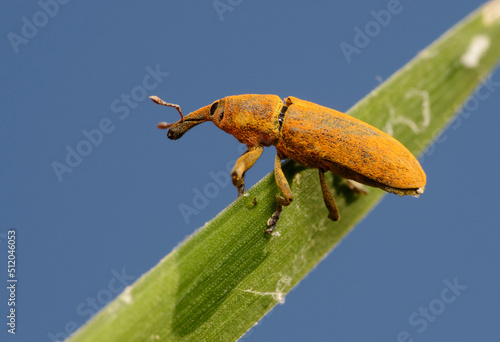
x,y
178,129
252,119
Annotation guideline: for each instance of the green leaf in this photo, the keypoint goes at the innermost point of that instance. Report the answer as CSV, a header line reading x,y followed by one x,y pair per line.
x,y
225,277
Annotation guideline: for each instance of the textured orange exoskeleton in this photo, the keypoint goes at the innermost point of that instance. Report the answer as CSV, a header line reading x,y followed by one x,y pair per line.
x,y
312,135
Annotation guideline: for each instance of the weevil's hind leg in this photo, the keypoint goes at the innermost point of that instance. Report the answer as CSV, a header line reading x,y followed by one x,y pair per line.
x,y
327,196
281,201
357,187
244,162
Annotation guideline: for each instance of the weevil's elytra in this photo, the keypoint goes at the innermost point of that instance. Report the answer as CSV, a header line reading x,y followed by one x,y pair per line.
x,y
312,135
320,137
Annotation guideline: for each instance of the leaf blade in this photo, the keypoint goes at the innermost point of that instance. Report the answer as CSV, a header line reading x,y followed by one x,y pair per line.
x,y
225,277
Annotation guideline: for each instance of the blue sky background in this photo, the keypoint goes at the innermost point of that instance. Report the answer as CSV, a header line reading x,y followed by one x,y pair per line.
x,y
84,234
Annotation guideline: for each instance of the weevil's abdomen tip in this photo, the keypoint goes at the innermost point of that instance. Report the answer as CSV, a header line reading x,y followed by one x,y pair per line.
x,y
419,192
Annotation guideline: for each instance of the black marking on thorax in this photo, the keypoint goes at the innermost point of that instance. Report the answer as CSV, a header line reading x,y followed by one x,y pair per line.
x,y
281,116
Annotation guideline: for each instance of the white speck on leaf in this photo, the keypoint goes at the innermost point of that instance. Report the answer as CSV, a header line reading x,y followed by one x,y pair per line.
x,y
491,12
278,294
401,119
479,44
426,54
126,295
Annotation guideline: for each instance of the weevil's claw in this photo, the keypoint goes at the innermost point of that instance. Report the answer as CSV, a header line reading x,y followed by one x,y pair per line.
x,y
334,218
357,187
238,182
241,190
273,220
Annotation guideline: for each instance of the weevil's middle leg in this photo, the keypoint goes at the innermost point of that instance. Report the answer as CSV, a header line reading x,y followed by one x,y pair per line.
x,y
281,201
244,162
328,198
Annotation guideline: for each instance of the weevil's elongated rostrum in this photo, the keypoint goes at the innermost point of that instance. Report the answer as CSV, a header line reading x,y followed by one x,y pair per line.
x,y
312,135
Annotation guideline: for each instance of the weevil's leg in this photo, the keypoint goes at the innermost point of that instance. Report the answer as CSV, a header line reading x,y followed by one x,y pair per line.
x,y
243,163
357,187
327,196
281,201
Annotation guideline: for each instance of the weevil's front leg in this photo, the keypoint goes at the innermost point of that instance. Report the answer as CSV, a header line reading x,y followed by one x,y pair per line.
x,y
281,201
327,196
243,163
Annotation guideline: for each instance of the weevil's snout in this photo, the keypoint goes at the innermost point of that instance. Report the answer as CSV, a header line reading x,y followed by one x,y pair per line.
x,y
177,129
213,112
174,134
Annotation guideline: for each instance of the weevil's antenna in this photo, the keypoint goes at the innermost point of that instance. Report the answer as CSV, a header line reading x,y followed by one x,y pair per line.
x,y
165,125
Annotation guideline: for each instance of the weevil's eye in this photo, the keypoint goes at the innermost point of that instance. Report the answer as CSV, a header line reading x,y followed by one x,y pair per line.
x,y
214,108
217,111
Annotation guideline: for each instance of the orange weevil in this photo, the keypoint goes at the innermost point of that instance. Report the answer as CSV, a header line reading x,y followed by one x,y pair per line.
x,y
313,136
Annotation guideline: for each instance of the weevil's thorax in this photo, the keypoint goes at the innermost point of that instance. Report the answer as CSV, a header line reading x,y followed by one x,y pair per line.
x,y
252,119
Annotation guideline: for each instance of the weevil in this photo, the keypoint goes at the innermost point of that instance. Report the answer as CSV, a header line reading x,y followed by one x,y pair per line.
x,y
313,136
